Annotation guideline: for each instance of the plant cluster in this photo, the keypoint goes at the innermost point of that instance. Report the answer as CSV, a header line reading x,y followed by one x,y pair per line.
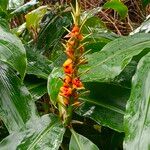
x,y
68,82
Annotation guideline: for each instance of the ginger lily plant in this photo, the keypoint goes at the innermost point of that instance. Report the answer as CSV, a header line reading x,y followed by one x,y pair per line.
x,y
43,82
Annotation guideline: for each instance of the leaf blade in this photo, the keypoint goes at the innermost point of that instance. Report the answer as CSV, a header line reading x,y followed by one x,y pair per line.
x,y
118,6
105,65
54,83
47,134
105,104
137,111
80,142
12,51
16,106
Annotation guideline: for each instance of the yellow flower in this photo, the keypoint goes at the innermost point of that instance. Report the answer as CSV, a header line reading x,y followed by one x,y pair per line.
x,y
68,66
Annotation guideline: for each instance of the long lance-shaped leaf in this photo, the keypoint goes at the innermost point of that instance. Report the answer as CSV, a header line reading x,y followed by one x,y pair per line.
x,y
38,64
54,83
105,104
16,106
13,4
79,142
118,6
105,65
12,51
45,133
137,117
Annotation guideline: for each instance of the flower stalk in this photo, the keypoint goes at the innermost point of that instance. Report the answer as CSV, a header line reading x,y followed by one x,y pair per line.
x,y
72,84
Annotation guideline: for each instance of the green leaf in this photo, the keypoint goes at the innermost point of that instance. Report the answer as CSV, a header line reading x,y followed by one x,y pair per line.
x,y
118,6
54,83
105,104
34,17
13,4
145,2
3,4
16,106
144,27
45,133
52,30
24,8
4,24
105,65
79,142
36,87
38,64
97,34
90,13
137,116
93,22
12,51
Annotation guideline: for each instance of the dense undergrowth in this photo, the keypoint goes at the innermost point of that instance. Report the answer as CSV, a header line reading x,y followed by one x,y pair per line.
x,y
74,75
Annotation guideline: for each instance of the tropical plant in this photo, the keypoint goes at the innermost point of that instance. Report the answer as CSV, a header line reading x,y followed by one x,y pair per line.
x,y
68,82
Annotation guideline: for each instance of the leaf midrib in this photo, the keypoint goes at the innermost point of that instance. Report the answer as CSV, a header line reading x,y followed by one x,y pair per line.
x,y
118,52
113,108
41,135
76,139
145,116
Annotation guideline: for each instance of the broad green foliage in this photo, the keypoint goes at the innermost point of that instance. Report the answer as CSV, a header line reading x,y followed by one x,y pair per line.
x,y
38,64
13,4
36,87
16,106
54,83
52,30
137,117
34,17
90,13
43,133
105,65
4,24
105,104
25,7
98,34
144,27
12,51
79,142
31,76
118,6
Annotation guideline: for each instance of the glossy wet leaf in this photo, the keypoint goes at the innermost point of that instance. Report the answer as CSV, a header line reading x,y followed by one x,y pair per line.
x,y
105,104
44,133
144,27
118,6
25,7
54,83
34,17
52,30
16,105
98,34
137,118
38,64
36,87
105,65
13,4
93,22
90,13
4,24
12,51
79,142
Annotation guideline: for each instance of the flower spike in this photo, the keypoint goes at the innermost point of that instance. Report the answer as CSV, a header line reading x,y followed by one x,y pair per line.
x,y
72,84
